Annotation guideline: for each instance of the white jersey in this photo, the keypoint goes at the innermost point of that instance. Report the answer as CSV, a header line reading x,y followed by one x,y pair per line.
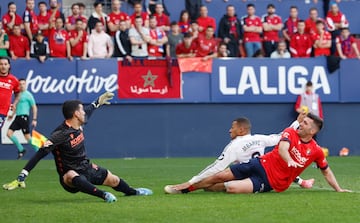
x,y
241,149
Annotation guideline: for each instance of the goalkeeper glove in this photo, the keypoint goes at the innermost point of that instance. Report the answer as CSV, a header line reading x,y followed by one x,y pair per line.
x,y
104,99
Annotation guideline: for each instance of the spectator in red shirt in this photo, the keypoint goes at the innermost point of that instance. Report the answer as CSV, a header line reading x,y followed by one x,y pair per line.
x,y
11,18
163,21
335,20
187,48
59,40
55,10
346,45
194,29
31,24
115,17
230,31
272,24
204,20
301,42
157,39
43,19
290,25
322,40
138,12
206,44
252,28
70,23
310,23
19,44
184,21
78,40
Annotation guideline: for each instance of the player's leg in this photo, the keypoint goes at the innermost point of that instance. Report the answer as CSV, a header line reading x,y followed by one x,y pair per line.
x,y
239,186
28,139
120,184
220,187
72,179
10,133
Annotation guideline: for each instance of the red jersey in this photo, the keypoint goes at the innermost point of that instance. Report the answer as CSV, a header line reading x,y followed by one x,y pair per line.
x,y
162,20
19,45
57,42
346,46
184,27
322,51
78,49
272,35
6,19
116,19
72,19
205,46
280,176
205,22
8,85
31,17
181,48
300,45
251,36
331,19
143,15
58,14
310,26
153,50
291,26
43,20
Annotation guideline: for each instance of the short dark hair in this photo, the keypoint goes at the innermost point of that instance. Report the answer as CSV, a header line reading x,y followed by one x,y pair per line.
x,y
75,4
309,84
80,4
243,121
319,21
69,107
313,9
42,3
187,35
270,6
78,20
301,20
317,120
96,3
11,3
5,58
173,23
250,5
294,7
22,79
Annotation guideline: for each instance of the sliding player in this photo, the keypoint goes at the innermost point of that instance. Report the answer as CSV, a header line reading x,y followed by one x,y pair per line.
x,y
277,169
242,148
76,171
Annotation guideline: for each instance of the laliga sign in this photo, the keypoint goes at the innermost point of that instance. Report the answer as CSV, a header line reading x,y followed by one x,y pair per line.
x,y
90,83
288,80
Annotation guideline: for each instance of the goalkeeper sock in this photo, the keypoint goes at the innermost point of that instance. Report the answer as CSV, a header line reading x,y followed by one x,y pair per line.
x,y
125,188
298,180
17,143
33,146
81,183
22,176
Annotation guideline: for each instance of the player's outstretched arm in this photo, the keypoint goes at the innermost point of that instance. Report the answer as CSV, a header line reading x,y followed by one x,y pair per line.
x,y
103,99
331,179
284,153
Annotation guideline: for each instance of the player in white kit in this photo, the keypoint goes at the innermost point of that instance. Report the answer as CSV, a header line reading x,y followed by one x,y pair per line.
x,y
242,147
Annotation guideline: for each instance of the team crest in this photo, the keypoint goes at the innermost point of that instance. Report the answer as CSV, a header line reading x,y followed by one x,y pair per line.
x,y
308,151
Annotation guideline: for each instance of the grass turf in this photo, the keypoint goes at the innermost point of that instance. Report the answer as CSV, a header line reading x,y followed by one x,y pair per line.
x,y
45,201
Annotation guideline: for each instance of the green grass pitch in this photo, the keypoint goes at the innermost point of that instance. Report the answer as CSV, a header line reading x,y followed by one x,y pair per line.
x,y
45,201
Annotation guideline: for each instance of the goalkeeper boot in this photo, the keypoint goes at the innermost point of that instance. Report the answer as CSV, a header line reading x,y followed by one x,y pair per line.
x,y
109,197
21,154
143,191
14,184
307,184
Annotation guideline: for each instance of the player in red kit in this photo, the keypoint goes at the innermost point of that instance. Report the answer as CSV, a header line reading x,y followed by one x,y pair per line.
x,y
43,19
31,24
163,21
272,24
187,48
301,42
70,22
9,84
206,45
277,169
310,23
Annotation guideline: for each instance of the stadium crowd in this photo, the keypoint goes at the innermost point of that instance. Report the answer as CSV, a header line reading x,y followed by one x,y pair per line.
x,y
148,32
